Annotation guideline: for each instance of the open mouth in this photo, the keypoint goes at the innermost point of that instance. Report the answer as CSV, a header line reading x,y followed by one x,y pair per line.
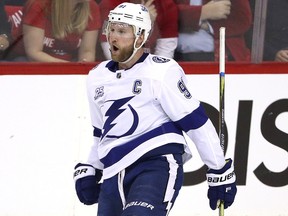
x,y
114,48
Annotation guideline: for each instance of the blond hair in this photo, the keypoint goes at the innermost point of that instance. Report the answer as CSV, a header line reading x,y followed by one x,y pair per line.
x,y
68,17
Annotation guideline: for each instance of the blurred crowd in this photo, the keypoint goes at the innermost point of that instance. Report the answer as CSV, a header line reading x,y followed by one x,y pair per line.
x,y
186,30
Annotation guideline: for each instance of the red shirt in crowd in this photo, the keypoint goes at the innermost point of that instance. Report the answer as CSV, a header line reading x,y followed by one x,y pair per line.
x,y
237,24
66,48
15,14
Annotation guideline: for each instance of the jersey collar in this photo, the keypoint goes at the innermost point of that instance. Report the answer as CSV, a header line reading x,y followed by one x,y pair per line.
x,y
113,66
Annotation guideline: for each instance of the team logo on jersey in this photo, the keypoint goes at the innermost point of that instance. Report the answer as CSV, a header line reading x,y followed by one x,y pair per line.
x,y
114,112
183,89
159,59
99,92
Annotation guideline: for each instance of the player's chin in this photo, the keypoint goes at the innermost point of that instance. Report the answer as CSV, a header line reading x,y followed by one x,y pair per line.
x,y
118,57
114,55
115,58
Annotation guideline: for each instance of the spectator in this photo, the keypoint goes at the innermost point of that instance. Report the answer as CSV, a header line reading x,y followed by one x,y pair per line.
x,y
163,40
61,31
276,36
14,11
5,28
199,23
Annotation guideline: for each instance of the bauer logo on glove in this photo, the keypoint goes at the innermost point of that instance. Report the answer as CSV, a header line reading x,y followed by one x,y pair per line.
x,y
87,185
212,178
83,170
222,185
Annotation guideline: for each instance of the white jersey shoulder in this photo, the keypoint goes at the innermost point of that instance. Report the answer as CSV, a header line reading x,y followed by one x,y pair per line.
x,y
99,70
158,67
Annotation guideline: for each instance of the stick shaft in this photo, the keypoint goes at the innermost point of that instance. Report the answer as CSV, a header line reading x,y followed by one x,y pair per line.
x,y
222,88
222,99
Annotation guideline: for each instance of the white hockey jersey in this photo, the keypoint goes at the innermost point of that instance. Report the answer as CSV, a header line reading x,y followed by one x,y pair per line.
x,y
136,110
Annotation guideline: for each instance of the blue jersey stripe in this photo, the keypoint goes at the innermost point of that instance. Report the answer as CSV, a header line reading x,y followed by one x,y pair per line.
x,y
193,120
97,132
119,152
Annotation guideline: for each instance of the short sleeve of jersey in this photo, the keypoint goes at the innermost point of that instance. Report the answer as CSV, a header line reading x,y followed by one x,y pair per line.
x,y
34,14
95,19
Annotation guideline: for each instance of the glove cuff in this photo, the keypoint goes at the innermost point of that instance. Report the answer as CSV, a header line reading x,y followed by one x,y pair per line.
x,y
84,170
218,177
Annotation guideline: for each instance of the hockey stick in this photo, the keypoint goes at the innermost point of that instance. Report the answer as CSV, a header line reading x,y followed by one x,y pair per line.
x,y
221,99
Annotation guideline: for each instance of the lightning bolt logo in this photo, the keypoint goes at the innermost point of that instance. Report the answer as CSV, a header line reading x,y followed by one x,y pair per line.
x,y
113,112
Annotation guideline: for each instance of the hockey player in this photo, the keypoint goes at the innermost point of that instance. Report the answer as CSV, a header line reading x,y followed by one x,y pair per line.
x,y
140,106
163,39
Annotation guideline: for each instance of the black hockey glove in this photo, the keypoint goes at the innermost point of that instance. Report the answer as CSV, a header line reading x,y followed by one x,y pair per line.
x,y
222,185
87,185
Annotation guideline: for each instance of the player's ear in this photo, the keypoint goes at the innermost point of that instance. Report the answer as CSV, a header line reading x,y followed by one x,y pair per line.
x,y
140,39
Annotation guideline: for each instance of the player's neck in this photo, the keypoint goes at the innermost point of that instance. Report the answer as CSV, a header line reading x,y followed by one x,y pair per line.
x,y
129,64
